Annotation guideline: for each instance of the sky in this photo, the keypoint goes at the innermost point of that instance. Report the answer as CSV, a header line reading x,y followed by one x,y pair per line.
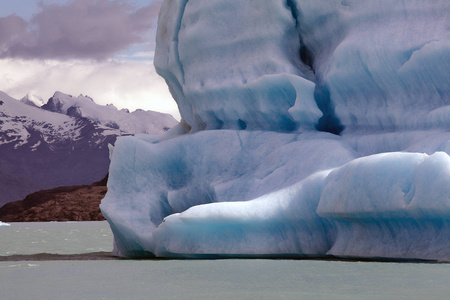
x,y
100,48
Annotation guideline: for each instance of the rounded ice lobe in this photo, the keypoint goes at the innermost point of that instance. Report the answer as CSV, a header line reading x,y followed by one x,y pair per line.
x,y
393,205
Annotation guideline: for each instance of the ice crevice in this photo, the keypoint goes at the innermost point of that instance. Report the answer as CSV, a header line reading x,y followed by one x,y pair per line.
x,y
306,56
329,122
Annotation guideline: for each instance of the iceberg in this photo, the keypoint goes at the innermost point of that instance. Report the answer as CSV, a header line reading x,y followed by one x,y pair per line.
x,y
309,129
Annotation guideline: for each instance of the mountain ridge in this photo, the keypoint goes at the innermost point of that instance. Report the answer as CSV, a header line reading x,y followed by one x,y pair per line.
x,y
47,147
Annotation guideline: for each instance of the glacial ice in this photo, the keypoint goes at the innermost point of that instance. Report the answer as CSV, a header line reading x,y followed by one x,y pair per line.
x,y
310,128
369,207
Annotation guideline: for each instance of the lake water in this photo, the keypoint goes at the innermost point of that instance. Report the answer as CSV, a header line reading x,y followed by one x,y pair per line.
x,y
74,261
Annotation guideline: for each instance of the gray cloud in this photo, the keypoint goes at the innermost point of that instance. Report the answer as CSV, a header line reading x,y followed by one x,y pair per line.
x,y
79,29
11,28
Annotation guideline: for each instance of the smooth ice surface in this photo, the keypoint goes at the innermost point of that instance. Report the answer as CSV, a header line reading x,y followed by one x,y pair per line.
x,y
314,128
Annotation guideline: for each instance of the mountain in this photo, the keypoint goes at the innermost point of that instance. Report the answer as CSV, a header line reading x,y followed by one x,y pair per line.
x,y
109,116
33,100
63,143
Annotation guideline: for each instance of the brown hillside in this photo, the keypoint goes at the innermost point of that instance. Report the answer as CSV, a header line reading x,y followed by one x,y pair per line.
x,y
70,203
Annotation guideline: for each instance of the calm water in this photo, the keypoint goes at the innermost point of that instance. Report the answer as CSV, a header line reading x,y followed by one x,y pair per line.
x,y
73,261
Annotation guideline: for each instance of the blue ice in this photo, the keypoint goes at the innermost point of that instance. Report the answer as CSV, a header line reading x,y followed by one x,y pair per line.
x,y
310,129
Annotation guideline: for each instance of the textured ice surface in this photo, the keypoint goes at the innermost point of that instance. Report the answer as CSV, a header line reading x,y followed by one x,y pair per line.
x,y
391,205
283,64
250,193
153,180
327,133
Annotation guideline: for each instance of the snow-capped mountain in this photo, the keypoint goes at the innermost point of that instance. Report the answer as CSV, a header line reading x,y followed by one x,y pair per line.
x,y
33,100
65,142
139,121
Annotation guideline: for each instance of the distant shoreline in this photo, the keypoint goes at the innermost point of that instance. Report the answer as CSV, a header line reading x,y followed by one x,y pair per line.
x,y
62,204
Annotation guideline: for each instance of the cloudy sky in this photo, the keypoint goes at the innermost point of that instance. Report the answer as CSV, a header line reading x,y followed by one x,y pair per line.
x,y
100,48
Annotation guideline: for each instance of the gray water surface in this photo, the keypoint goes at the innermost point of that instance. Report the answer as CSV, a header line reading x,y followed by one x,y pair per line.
x,y
30,238
92,273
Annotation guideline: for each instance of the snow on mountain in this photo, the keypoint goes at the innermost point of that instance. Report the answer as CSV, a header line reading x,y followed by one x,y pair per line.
x,y
42,149
33,100
17,119
139,121
315,128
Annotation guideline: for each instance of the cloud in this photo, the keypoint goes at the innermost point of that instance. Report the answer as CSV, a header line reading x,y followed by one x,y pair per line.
x,y
11,27
83,29
68,48
126,84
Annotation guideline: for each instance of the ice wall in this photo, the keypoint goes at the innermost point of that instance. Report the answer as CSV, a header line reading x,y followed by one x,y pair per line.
x,y
261,64
235,65
310,128
151,180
